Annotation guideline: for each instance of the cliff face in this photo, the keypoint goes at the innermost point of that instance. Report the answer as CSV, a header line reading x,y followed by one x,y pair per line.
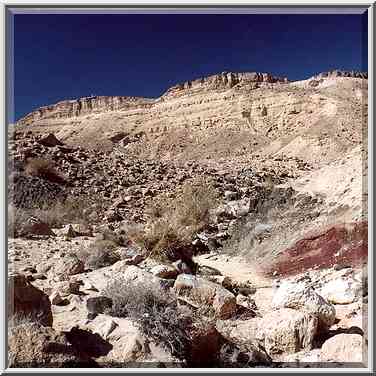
x,y
99,104
85,106
225,80
215,85
221,115
342,73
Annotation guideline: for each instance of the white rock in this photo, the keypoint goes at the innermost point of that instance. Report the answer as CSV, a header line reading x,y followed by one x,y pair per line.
x,y
106,328
205,292
342,291
287,331
344,348
299,296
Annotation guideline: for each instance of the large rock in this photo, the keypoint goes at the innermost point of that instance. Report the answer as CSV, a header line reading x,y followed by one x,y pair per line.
x,y
299,296
33,345
25,300
342,291
287,331
202,291
50,141
35,228
67,266
344,348
136,276
205,346
240,331
129,344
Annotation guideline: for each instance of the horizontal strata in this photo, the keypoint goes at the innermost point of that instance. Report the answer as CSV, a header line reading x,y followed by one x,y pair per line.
x,y
217,82
97,104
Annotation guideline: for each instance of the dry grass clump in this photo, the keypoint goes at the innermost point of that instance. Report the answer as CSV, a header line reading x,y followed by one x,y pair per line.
x,y
155,312
173,223
45,169
99,254
20,319
82,210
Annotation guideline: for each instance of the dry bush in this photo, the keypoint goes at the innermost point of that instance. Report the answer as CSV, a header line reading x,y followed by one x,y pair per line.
x,y
82,210
20,319
173,223
44,169
99,254
157,314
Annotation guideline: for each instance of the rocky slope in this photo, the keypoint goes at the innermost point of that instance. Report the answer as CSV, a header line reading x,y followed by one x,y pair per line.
x,y
224,116
279,268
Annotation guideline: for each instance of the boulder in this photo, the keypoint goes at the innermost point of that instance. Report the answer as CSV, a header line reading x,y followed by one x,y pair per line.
x,y
344,348
36,228
50,141
205,346
25,300
128,343
205,292
65,288
342,291
287,331
68,266
240,332
299,296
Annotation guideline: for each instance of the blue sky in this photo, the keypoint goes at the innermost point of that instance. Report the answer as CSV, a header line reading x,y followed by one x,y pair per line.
x,y
59,57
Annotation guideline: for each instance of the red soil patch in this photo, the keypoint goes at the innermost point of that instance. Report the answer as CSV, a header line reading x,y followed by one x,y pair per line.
x,y
345,244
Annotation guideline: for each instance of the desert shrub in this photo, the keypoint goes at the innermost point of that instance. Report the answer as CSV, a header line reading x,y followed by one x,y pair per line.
x,y
44,169
20,318
82,210
156,314
99,254
173,223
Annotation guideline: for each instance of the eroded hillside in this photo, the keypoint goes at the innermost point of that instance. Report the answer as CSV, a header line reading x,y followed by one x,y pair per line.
x,y
230,202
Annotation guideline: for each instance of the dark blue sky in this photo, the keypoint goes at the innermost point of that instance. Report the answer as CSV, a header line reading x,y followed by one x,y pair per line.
x,y
60,57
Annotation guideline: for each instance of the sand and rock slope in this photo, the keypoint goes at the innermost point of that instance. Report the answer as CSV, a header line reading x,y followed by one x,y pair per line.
x,y
252,188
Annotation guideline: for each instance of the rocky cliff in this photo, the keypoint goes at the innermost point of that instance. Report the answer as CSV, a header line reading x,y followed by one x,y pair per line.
x,y
84,106
98,104
220,116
